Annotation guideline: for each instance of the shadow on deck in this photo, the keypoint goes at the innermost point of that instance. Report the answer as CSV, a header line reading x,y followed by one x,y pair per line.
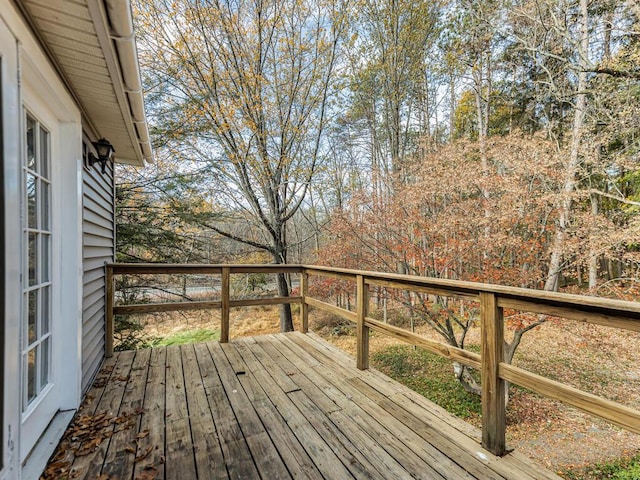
x,y
275,406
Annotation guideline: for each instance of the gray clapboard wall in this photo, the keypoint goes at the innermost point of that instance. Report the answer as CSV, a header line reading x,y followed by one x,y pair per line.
x,y
98,247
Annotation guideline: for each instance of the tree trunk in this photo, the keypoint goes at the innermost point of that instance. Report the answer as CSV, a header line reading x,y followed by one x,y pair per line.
x,y
286,319
593,255
466,380
566,204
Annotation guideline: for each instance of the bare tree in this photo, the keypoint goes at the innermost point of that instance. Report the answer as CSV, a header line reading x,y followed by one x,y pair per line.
x,y
242,87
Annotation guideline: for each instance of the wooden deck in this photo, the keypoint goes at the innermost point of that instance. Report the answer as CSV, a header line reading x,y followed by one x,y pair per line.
x,y
275,406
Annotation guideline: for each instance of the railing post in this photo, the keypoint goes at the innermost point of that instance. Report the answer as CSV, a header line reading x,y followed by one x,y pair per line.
x,y
224,324
108,327
304,308
493,387
362,331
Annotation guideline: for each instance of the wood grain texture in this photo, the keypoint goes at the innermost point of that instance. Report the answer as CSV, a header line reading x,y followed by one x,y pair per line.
x,y
494,420
304,307
225,305
340,312
362,330
108,329
625,417
278,406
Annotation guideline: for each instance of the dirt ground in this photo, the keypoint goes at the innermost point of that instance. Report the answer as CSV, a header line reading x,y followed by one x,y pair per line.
x,y
595,359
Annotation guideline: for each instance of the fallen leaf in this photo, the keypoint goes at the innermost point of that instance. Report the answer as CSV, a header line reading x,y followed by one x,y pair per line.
x,y
144,454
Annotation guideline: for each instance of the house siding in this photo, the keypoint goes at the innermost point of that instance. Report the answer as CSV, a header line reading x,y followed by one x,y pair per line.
x,y
98,239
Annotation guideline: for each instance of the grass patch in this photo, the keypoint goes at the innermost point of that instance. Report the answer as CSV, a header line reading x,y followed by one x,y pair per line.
x,y
620,469
430,375
189,336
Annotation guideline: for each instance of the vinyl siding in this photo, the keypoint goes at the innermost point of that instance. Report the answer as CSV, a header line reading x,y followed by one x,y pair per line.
x,y
98,239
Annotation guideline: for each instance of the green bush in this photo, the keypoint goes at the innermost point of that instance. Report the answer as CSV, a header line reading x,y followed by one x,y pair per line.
x,y
190,336
430,375
128,334
621,469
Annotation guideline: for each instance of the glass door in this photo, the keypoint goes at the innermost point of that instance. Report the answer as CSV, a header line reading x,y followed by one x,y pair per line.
x,y
36,344
36,335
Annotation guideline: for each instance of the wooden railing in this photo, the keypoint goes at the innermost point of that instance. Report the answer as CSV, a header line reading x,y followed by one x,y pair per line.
x,y
493,299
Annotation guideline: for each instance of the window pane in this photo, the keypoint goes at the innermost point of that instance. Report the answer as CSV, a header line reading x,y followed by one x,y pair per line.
x,y
33,258
44,363
45,241
44,205
31,146
32,193
44,153
45,306
31,376
33,317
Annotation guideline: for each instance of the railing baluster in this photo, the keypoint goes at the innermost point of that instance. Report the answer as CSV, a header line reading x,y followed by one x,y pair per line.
x,y
225,306
304,307
493,387
362,331
108,327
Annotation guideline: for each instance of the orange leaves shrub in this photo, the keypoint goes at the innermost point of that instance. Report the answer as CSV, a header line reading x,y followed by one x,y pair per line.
x,y
451,219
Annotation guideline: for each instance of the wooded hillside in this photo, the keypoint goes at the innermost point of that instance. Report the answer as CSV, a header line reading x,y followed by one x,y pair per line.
x,y
494,141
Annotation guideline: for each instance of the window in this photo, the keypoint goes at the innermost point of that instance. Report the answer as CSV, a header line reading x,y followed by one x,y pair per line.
x,y
36,329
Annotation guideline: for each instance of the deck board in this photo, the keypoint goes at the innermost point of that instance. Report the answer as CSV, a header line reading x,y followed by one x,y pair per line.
x,y
274,407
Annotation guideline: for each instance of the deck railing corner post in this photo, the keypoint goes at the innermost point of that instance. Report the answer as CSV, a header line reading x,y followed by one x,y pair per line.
x,y
225,305
304,306
493,387
109,320
362,331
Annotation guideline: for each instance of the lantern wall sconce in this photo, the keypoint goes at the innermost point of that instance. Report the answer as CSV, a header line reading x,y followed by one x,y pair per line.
x,y
105,151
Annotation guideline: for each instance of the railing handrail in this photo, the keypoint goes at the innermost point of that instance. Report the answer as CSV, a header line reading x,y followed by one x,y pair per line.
x,y
492,299
582,303
585,303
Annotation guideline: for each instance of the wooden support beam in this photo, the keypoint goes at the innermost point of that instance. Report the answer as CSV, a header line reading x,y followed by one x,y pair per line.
x,y
225,306
493,387
304,307
327,307
164,307
108,327
465,357
362,331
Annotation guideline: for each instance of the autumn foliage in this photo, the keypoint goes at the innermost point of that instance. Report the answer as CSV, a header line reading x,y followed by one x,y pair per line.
x,y
439,224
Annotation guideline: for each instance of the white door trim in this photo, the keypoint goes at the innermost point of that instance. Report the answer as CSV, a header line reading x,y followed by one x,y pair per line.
x,y
30,65
44,96
10,112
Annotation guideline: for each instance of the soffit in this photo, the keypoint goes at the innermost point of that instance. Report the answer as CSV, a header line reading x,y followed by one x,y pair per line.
x,y
76,35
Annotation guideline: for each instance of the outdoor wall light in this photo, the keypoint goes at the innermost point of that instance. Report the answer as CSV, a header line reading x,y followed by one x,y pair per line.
x,y
105,153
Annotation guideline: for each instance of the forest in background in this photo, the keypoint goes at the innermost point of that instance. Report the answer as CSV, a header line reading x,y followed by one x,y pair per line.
x,y
493,141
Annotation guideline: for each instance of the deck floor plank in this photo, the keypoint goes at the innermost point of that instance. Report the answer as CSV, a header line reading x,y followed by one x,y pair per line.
x,y
122,448
270,407
518,465
354,459
291,450
89,466
237,457
325,459
150,453
406,445
180,459
295,373
369,397
208,453
382,444
265,454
